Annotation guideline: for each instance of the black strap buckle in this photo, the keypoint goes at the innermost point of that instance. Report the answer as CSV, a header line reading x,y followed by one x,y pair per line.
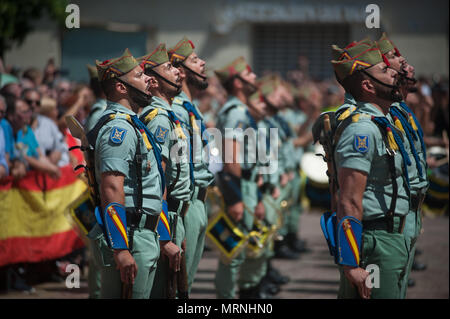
x,y
390,221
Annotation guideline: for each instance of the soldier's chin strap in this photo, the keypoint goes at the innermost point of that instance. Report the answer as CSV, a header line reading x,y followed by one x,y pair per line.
x,y
178,87
192,71
251,85
393,87
141,93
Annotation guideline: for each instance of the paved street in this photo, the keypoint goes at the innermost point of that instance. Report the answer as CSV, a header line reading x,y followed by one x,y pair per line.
x,y
314,275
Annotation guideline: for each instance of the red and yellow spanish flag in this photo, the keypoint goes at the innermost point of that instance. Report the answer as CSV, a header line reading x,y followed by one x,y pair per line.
x,y
34,222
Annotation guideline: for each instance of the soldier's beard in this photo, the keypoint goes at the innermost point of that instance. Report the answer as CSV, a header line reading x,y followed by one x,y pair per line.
x,y
140,98
199,84
388,93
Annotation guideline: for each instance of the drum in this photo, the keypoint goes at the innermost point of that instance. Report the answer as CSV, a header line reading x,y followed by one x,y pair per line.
x,y
225,236
82,211
313,171
436,199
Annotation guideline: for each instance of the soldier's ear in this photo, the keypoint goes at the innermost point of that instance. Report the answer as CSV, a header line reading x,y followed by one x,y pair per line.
x,y
154,84
120,87
367,86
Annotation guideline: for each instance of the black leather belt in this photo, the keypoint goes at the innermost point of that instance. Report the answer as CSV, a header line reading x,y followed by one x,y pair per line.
x,y
133,220
173,204
383,224
247,175
201,195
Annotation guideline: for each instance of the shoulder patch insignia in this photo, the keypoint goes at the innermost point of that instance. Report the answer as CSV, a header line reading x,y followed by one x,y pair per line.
x,y
241,125
161,134
361,143
117,135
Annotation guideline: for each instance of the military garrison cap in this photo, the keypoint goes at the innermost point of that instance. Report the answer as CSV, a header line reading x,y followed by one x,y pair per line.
x,y
386,45
364,57
116,67
268,84
347,52
93,73
181,51
232,69
157,57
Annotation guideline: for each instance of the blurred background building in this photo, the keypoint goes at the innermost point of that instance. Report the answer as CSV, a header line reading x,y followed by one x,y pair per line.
x,y
271,35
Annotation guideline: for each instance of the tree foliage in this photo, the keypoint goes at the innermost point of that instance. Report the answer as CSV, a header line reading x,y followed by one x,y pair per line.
x,y
17,17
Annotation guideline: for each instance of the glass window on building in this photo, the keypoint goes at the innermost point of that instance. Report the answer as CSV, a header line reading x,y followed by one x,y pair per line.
x,y
85,45
277,47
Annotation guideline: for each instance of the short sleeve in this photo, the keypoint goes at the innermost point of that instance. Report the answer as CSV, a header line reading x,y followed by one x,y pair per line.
x,y
115,147
357,145
235,124
161,128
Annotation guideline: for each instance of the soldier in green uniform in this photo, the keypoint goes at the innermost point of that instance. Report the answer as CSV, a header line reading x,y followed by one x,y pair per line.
x,y
165,125
373,195
405,120
273,93
238,180
100,104
192,71
94,279
128,172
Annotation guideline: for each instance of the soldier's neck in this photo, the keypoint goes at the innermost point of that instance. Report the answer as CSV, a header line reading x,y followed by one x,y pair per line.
x,y
164,97
241,96
126,103
185,88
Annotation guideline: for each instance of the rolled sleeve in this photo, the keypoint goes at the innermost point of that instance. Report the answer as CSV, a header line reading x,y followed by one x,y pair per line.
x,y
350,154
116,157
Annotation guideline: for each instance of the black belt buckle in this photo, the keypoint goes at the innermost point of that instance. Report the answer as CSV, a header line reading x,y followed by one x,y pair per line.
x,y
246,174
133,219
390,221
151,222
173,204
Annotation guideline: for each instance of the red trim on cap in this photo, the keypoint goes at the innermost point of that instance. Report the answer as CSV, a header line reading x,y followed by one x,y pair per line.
x,y
232,70
192,44
385,60
397,52
351,45
249,69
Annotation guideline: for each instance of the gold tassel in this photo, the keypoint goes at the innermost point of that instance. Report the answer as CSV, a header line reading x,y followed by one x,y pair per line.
x,y
179,131
355,118
194,122
146,141
398,124
412,122
392,144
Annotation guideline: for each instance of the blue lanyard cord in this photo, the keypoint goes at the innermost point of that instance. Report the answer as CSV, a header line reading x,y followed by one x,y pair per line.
x,y
407,128
284,125
190,108
419,128
251,120
406,161
156,149
174,118
406,125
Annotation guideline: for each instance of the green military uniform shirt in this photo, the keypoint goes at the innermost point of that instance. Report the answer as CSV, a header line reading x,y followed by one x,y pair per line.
x,y
361,147
96,111
115,150
173,148
202,176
